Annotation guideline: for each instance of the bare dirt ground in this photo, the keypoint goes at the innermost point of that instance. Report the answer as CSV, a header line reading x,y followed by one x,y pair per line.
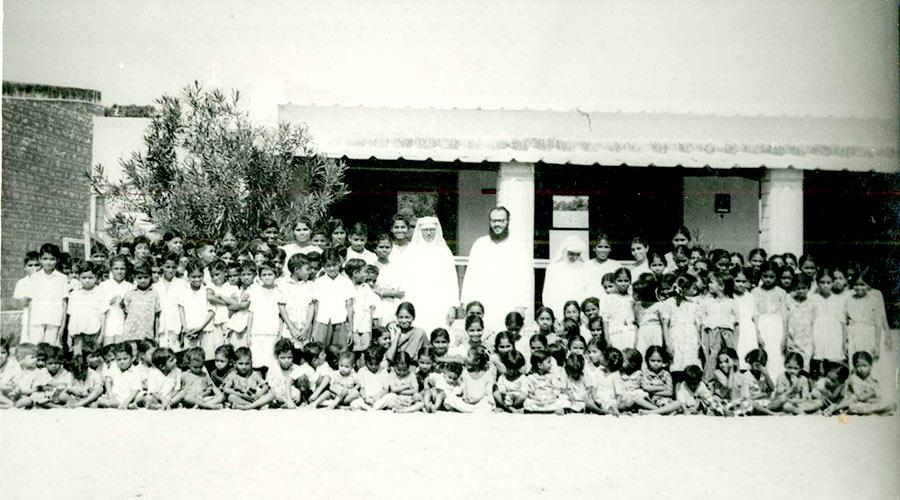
x,y
99,454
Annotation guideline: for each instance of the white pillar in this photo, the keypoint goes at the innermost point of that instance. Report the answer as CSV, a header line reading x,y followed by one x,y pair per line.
x,y
781,211
515,191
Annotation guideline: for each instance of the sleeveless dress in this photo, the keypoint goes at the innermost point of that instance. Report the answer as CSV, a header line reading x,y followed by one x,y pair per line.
x,y
771,305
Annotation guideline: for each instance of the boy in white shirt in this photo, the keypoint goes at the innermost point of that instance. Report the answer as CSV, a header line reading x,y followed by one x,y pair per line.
x,y
297,290
47,292
331,313
359,234
124,384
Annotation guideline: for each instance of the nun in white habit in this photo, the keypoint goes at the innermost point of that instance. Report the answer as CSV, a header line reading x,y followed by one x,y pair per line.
x,y
567,276
429,275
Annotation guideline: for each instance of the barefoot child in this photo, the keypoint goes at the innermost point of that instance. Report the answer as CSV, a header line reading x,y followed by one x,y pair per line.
x,y
163,381
373,380
546,394
283,378
197,389
633,397
142,308
122,384
343,387
656,380
404,395
316,375
576,390
86,386
864,395
244,387
222,364
792,386
87,306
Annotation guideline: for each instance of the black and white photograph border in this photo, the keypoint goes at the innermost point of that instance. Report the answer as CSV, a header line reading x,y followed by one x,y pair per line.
x,y
267,199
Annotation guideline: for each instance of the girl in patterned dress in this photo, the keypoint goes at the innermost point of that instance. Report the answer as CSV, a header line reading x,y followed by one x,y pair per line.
x,y
685,318
618,313
829,327
651,314
547,390
792,387
771,307
656,380
730,397
719,320
801,315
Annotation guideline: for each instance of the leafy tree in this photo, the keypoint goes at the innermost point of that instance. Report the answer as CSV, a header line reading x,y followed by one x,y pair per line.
x,y
206,169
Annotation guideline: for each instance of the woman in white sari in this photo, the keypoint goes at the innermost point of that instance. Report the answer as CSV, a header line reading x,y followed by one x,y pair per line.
x,y
429,275
567,276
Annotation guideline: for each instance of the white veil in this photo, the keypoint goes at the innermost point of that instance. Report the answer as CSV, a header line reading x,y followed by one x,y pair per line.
x,y
429,276
565,280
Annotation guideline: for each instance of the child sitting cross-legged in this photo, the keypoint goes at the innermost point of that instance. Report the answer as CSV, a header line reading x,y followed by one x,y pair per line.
x,y
512,387
343,387
123,383
315,373
197,388
373,380
863,395
245,387
404,396
86,385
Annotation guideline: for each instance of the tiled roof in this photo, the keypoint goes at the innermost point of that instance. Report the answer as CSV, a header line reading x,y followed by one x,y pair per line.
x,y
588,138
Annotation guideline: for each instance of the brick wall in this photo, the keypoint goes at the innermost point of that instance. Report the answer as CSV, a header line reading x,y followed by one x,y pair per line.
x,y
45,197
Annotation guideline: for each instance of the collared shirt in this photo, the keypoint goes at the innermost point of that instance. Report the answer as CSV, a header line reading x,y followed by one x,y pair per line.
x,y
332,296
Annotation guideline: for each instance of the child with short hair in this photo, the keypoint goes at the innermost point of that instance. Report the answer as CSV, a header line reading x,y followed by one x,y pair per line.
x,y
282,378
758,381
403,387
197,388
364,303
478,380
267,308
316,375
748,339
512,387
222,365
331,312
595,356
195,311
343,387
373,380
236,328
122,384
87,305
163,381
389,281
605,387
829,325
115,288
48,297
52,393
863,312
692,395
245,388
546,394
142,306
359,234
296,288
9,372
447,390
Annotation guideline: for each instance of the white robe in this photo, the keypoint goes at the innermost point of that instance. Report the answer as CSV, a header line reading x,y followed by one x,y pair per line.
x,y
500,276
429,278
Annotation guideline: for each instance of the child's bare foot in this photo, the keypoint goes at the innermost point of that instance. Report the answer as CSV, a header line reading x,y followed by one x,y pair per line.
x,y
560,412
518,410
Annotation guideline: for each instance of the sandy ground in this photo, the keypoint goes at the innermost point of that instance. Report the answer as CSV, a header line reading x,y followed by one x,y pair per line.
x,y
319,454
99,454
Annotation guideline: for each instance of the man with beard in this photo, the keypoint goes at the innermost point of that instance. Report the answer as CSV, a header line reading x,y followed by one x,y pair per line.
x,y
499,273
